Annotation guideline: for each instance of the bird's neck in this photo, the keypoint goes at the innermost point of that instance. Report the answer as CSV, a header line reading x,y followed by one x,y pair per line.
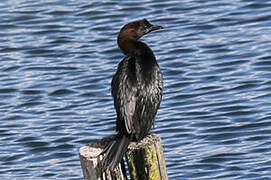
x,y
144,62
127,46
135,48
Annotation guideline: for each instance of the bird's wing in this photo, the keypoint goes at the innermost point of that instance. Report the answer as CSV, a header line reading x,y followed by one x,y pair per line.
x,y
124,94
128,112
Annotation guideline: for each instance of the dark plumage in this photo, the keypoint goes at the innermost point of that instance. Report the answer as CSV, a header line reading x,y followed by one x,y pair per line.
x,y
136,89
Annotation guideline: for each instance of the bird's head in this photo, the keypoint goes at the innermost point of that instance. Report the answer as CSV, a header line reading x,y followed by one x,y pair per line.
x,y
133,31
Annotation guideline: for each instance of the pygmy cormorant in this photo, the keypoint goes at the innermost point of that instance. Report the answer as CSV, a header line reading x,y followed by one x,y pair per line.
x,y
136,89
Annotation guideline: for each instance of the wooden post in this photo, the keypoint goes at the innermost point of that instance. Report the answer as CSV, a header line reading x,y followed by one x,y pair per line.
x,y
145,159
90,159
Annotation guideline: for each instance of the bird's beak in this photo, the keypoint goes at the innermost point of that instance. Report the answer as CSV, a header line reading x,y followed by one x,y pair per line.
x,y
153,28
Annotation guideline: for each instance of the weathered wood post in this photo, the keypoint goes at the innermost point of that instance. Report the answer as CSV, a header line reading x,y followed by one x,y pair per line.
x,y
90,159
145,161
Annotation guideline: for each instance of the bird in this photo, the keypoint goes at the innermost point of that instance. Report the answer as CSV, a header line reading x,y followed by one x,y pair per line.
x,y
137,88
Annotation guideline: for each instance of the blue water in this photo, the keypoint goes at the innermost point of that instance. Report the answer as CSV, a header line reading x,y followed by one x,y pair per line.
x,y
57,59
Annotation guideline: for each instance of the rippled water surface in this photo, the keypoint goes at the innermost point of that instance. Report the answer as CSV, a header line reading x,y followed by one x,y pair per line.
x,y
57,59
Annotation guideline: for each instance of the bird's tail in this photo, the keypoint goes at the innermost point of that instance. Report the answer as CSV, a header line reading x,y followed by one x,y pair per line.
x,y
114,152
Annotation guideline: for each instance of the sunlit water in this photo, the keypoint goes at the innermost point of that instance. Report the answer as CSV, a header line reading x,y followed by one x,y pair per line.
x,y
57,59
